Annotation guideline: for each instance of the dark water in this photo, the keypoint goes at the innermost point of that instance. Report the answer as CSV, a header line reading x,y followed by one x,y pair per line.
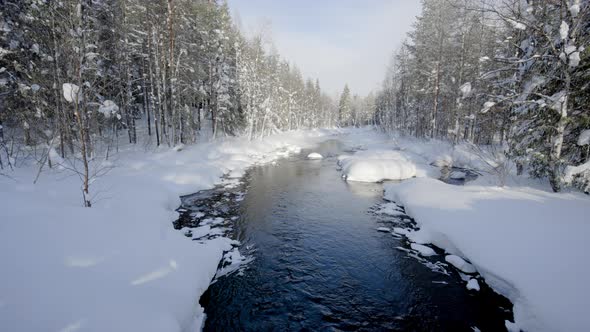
x,y
320,264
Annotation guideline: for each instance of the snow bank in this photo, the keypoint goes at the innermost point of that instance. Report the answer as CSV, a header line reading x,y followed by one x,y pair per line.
x,y
120,265
376,165
314,155
529,245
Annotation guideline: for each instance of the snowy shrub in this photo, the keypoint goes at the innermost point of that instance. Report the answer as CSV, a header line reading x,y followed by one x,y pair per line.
x,y
493,160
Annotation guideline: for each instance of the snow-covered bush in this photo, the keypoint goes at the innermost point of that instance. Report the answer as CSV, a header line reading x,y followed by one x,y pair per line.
x,y
493,160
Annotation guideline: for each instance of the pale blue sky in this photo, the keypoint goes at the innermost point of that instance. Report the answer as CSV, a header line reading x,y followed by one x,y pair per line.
x,y
337,41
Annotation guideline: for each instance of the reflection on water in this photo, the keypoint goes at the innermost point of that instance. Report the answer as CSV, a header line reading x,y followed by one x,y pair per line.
x,y
320,264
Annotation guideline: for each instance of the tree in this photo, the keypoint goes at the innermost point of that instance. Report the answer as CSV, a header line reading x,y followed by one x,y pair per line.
x,y
344,107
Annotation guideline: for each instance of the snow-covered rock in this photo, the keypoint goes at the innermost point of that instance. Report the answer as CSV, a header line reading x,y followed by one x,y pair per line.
x,y
422,249
314,155
390,209
377,165
401,231
472,284
460,263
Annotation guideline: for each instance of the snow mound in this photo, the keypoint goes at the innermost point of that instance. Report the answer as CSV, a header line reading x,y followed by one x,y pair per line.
x,y
314,155
376,166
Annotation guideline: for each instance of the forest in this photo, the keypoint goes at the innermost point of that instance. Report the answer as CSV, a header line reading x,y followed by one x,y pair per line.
x,y
509,73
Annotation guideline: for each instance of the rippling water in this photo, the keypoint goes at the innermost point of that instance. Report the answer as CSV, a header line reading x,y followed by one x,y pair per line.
x,y
320,264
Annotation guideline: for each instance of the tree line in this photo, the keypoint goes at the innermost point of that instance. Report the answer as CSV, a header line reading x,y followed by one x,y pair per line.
x,y
77,76
513,73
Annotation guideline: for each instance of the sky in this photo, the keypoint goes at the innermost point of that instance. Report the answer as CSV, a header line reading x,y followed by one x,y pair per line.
x,y
336,41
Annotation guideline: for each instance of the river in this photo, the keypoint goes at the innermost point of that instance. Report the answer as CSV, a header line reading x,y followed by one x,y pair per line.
x,y
319,263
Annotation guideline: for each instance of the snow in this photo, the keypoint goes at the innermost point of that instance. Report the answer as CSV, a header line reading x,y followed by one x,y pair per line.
x,y
472,284
574,59
460,263
314,155
584,138
383,229
517,25
564,30
571,171
465,89
487,106
422,249
120,265
400,231
390,209
72,92
528,244
376,166
575,8
108,108
443,161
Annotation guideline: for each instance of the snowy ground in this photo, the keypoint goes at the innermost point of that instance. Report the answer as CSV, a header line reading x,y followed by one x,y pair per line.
x,y
529,244
118,266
